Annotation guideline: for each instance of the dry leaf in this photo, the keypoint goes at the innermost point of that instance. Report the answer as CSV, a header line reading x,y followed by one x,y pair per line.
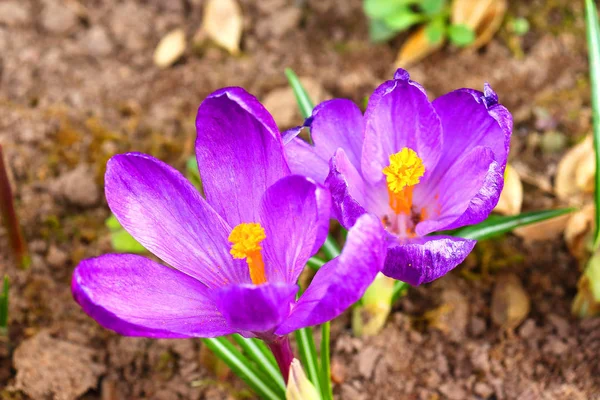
x,y
170,48
578,232
415,48
543,230
510,303
483,16
574,174
222,23
511,198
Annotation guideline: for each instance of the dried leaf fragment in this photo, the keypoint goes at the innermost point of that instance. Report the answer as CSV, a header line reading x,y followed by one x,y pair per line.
x,y
575,172
510,303
170,48
578,232
223,22
483,16
511,198
415,48
543,230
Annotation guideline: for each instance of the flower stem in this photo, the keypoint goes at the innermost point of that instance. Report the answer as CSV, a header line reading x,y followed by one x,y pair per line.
x,y
282,350
9,217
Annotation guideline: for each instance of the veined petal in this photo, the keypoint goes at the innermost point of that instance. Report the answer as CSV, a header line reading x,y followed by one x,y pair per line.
x,y
342,281
255,308
239,152
472,119
347,190
422,260
167,215
466,195
334,124
135,296
295,215
399,115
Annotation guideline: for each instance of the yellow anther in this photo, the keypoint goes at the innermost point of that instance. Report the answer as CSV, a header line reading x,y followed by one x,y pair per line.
x,y
246,239
405,170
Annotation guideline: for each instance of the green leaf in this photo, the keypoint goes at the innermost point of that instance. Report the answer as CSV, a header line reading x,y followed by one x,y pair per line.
x,y
302,98
403,19
520,26
379,9
497,225
379,31
258,352
243,368
192,173
4,307
435,30
327,390
308,355
432,7
331,248
593,39
461,35
120,239
399,289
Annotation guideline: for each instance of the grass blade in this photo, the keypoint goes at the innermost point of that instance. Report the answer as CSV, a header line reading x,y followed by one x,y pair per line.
x,y
593,39
265,360
327,390
497,225
399,288
304,102
308,355
4,307
243,368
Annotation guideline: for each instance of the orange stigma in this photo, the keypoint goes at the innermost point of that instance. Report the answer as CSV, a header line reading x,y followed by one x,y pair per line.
x,y
245,239
404,172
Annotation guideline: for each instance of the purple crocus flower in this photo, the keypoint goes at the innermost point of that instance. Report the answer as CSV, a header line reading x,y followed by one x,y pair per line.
x,y
420,166
236,255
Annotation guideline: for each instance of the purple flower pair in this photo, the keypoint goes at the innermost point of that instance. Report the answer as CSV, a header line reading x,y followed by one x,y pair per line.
x,y
421,167
234,257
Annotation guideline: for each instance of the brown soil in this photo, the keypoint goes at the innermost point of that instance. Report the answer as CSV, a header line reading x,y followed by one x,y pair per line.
x,y
77,84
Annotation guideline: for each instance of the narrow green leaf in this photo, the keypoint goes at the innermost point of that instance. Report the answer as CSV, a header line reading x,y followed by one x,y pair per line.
x,y
265,360
461,35
4,307
435,30
243,368
327,389
379,31
403,19
399,289
593,39
304,102
192,173
315,263
379,9
497,225
331,248
432,7
308,355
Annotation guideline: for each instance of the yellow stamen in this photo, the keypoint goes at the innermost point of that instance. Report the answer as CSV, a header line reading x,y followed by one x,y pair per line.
x,y
404,172
245,239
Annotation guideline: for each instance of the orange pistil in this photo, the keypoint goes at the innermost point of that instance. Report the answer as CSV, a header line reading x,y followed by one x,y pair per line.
x,y
246,239
404,172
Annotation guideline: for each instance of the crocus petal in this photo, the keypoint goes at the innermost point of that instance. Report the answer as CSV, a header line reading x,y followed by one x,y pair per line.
x,y
351,195
295,215
135,296
422,260
334,124
342,281
239,152
466,194
167,215
471,119
399,115
255,308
